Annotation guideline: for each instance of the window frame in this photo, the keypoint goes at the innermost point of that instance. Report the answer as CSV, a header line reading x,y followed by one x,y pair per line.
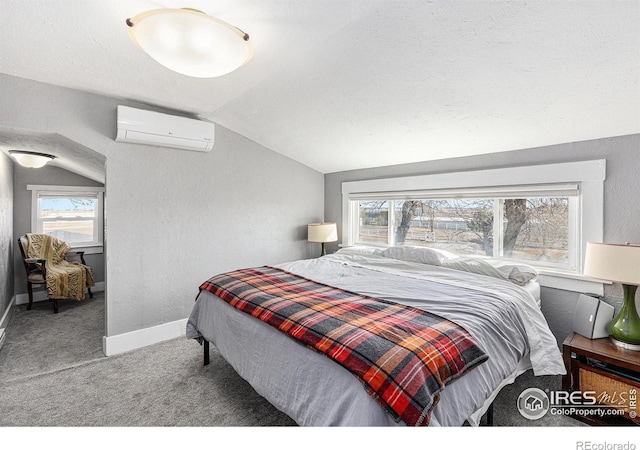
x,y
589,176
496,195
38,191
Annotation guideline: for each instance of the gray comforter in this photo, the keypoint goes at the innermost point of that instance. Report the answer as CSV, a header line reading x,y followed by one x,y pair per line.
x,y
504,318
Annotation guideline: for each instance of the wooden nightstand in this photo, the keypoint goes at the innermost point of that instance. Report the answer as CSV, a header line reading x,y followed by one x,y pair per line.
x,y
598,368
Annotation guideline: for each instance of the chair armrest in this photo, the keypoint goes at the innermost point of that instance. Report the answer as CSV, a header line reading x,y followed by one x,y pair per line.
x,y
40,262
78,253
35,261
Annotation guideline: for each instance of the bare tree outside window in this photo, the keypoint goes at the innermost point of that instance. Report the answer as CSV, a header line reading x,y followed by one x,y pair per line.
x,y
478,215
544,232
409,210
515,214
534,229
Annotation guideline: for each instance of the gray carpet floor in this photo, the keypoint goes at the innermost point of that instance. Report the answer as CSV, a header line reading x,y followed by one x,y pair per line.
x,y
53,373
50,382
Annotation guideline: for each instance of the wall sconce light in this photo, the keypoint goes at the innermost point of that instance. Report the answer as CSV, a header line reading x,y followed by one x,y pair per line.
x,y
190,42
32,160
322,232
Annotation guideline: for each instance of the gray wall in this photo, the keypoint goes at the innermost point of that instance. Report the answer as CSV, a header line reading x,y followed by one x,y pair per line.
x,y
621,209
47,175
174,218
6,234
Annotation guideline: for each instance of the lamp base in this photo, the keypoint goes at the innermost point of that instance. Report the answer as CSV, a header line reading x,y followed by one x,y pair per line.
x,y
625,345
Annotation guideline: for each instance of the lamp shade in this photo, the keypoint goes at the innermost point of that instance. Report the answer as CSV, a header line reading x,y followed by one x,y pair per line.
x,y
32,160
190,42
613,262
322,232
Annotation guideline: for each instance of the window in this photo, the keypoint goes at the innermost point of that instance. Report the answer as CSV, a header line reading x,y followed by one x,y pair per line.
x,y
71,214
541,215
533,224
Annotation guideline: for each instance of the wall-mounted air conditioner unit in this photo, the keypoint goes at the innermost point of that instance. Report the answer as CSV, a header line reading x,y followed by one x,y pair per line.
x,y
138,126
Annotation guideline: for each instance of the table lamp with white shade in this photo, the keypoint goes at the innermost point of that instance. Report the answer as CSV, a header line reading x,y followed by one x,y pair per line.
x,y
618,263
322,232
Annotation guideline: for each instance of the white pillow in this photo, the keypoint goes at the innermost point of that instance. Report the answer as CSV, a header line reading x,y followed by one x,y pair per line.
x,y
360,250
422,255
519,274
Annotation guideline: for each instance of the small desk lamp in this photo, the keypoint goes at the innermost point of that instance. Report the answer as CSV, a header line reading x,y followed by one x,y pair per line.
x,y
322,232
618,263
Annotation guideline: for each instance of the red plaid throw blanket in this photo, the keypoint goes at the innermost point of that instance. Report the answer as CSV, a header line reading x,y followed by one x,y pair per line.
x,y
403,356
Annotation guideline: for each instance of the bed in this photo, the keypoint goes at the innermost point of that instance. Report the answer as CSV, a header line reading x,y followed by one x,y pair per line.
x,y
498,304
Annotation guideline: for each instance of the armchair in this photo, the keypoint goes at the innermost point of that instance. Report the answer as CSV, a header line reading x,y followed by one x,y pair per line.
x,y
43,269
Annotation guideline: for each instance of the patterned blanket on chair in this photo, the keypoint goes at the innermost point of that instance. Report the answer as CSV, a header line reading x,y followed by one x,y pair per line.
x,y
404,356
65,280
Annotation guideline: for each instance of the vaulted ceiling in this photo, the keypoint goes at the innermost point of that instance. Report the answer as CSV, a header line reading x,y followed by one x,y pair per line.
x,y
349,84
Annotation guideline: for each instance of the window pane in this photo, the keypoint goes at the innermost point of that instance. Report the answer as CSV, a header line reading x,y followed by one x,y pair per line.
x,y
537,229
70,219
373,222
462,226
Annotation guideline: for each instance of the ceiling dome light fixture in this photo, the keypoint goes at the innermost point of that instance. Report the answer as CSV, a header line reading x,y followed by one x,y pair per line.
x,y
190,42
32,160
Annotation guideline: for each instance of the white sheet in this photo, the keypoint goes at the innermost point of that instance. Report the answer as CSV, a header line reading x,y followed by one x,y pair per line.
x,y
313,390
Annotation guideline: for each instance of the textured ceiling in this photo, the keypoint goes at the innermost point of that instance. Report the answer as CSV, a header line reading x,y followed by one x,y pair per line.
x,y
341,85
68,154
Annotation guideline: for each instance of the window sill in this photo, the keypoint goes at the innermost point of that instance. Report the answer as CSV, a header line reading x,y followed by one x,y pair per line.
x,y
570,282
88,249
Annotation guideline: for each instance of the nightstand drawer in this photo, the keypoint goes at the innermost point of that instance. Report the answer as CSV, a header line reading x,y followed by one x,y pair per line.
x,y
611,389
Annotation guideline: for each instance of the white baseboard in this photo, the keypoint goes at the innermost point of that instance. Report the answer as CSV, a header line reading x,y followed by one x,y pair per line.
x,y
40,296
5,317
120,343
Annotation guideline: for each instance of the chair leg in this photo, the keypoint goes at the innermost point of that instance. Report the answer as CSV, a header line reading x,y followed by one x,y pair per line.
x,y
90,293
30,290
55,305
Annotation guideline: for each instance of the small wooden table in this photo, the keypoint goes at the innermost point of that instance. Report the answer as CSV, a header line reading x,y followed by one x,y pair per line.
x,y
600,369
